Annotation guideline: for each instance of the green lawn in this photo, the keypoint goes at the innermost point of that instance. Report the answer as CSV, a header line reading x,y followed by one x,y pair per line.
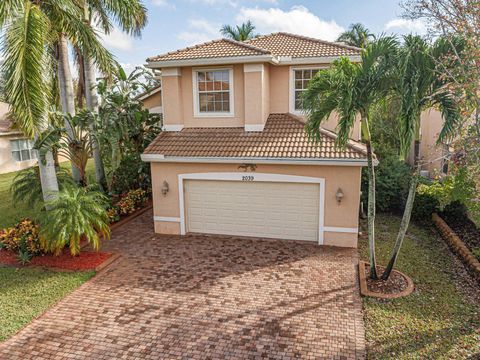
x,y
10,212
437,321
27,293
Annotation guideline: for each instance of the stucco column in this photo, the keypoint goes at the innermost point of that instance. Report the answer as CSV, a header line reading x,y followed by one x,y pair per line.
x,y
256,96
172,99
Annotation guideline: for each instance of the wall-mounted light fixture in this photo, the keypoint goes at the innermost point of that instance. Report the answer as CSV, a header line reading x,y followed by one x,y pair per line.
x,y
339,196
165,188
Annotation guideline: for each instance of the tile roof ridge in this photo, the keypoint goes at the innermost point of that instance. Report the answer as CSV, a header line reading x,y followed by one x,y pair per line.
x,y
303,37
196,46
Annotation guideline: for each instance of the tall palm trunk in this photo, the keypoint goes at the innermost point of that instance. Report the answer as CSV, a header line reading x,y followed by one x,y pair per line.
x,y
48,177
407,213
371,198
92,105
65,83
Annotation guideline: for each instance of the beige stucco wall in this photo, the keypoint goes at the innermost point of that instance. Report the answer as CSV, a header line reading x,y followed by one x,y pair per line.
x,y
345,177
7,164
154,100
430,153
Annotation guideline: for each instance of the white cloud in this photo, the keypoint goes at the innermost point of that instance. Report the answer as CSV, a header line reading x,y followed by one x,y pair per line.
x,y
199,31
160,2
297,20
117,39
406,26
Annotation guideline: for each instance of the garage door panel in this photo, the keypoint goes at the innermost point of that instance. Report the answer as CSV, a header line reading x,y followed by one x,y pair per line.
x,y
261,209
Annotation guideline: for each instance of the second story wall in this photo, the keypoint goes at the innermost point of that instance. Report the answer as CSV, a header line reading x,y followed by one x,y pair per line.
x,y
254,91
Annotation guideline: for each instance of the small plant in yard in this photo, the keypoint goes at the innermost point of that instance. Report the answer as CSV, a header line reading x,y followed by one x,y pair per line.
x,y
77,214
132,201
24,235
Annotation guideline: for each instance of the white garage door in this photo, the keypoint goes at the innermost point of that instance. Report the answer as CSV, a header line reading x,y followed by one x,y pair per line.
x,y
262,209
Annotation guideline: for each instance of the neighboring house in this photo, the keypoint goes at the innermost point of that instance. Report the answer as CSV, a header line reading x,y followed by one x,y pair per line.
x,y
234,157
434,156
16,151
152,100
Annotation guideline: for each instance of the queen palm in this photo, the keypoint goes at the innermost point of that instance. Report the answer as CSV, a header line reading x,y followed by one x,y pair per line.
x,y
351,89
356,35
419,88
32,30
239,32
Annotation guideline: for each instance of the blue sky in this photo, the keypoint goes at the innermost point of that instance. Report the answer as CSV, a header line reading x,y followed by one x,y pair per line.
x,y
176,24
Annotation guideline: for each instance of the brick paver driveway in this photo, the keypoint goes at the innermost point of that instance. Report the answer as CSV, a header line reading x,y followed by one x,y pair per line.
x,y
203,297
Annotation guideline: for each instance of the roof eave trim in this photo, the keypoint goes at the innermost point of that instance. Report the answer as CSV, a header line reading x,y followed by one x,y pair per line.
x,y
288,60
263,160
212,61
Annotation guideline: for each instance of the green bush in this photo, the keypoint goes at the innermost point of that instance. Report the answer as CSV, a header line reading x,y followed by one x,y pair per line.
x,y
455,211
392,182
424,206
131,174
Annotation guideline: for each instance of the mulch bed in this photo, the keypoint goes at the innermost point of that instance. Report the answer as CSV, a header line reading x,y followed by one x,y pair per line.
x,y
396,283
87,260
465,229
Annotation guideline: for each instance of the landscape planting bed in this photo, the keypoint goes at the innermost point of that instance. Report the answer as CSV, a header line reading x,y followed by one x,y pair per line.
x,y
87,260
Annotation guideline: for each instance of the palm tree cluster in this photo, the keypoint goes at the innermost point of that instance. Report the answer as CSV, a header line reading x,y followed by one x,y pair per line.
x,y
356,35
388,71
39,86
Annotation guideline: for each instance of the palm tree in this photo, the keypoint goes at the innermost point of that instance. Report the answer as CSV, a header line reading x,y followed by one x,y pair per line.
x,y
351,89
239,32
420,87
131,15
32,30
75,215
356,35
73,142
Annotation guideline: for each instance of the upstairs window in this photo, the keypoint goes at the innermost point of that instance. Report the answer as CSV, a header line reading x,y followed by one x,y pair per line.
x,y
22,150
213,92
301,79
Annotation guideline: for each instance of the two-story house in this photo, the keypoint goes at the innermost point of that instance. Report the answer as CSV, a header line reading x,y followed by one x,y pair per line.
x,y
234,157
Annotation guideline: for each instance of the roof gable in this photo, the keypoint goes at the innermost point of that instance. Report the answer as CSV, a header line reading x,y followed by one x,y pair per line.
x,y
211,49
297,46
273,46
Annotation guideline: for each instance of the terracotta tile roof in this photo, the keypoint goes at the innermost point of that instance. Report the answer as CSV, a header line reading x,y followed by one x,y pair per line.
x,y
276,44
283,137
296,46
211,49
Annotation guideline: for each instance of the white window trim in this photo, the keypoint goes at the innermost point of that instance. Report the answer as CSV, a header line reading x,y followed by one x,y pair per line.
x,y
31,151
291,87
237,176
196,110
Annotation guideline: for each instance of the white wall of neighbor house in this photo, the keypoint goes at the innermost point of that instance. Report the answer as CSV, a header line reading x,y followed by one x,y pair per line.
x,y
340,219
7,161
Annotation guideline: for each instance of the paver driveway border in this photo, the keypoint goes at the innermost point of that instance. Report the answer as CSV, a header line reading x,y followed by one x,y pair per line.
x,y
204,297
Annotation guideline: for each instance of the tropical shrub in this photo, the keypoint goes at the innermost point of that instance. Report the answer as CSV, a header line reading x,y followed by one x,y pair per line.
x,y
75,215
23,236
424,206
132,173
132,201
392,181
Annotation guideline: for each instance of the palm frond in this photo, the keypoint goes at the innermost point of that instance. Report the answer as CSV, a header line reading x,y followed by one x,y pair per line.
x,y
25,66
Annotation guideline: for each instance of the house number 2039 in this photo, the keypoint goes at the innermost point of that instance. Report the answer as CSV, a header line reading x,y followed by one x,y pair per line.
x,y
248,178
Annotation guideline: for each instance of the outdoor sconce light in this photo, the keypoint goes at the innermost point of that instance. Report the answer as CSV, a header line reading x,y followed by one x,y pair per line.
x,y
165,188
339,195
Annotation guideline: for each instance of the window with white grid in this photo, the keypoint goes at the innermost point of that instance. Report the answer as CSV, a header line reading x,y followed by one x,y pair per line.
x,y
22,150
213,92
301,78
